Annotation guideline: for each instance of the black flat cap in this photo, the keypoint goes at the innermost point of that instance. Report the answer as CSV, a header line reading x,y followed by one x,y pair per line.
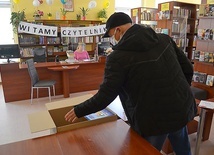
x,y
116,19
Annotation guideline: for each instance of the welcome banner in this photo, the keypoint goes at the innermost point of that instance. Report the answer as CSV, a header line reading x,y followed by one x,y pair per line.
x,y
37,29
82,31
44,30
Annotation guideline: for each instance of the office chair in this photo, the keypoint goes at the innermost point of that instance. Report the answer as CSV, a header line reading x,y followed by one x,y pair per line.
x,y
36,83
39,54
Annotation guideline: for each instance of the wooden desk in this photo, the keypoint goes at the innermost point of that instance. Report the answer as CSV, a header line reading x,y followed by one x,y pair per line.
x,y
112,138
15,77
65,77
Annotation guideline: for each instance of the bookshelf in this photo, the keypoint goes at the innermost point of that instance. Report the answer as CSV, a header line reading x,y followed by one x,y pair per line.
x,y
204,54
144,15
57,46
180,20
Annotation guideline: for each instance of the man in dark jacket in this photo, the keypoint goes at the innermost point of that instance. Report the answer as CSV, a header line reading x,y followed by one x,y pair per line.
x,y
152,77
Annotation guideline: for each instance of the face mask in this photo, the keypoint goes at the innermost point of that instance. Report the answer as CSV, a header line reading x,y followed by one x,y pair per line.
x,y
113,38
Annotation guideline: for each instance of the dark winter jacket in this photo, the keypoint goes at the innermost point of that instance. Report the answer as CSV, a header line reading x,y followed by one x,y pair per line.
x,y
152,77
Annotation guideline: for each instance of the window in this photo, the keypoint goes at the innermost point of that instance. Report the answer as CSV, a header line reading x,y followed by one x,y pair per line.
x,y
6,30
125,5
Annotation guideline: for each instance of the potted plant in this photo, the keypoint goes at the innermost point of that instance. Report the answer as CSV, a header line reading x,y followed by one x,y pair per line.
x,y
84,12
15,19
102,14
38,14
49,15
64,12
78,16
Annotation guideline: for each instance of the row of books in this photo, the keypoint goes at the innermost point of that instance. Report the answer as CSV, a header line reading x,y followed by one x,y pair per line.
x,y
164,14
53,40
148,15
203,56
205,34
177,12
181,12
27,40
66,40
203,78
181,42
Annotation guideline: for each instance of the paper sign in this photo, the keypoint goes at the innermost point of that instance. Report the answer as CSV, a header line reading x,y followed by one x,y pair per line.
x,y
44,30
37,29
210,1
164,6
134,12
83,31
206,104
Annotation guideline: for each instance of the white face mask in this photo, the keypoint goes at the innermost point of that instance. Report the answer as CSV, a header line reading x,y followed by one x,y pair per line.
x,y
113,37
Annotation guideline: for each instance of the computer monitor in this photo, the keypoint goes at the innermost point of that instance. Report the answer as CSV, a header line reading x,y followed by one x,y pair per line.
x,y
8,51
102,47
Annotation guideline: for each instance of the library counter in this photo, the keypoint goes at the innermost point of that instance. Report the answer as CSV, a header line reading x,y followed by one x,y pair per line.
x,y
16,81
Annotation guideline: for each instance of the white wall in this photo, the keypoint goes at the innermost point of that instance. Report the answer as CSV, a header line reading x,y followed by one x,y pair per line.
x,y
126,5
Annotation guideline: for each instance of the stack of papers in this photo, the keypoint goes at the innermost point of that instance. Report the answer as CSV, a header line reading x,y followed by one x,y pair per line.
x,y
206,104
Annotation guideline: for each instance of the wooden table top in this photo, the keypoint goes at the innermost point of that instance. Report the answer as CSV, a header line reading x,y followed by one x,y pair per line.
x,y
55,64
111,138
61,68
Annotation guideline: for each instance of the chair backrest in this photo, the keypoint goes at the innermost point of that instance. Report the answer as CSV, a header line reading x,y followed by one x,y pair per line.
x,y
39,54
32,71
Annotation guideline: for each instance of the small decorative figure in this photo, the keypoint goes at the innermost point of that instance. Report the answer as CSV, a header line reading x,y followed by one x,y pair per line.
x,y
81,53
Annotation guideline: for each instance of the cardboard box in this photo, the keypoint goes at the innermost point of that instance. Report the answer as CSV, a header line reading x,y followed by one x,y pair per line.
x,y
53,118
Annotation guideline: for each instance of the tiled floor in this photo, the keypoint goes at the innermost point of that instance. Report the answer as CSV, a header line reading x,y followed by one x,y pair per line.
x,y
14,122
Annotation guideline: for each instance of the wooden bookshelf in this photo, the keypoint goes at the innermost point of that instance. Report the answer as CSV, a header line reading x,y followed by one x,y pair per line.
x,y
178,11
144,15
206,44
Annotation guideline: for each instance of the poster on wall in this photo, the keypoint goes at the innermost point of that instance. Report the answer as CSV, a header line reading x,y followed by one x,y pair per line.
x,y
69,5
164,6
210,1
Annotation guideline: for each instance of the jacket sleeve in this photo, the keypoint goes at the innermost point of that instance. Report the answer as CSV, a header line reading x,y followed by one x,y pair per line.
x,y
184,62
108,91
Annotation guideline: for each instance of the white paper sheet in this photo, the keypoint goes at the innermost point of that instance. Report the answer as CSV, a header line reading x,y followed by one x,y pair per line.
x,y
206,104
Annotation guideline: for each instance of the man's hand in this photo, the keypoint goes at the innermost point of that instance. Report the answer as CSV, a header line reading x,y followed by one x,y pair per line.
x,y
71,116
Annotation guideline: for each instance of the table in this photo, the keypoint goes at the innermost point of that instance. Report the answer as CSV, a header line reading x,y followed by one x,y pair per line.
x,y
111,138
201,125
65,77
